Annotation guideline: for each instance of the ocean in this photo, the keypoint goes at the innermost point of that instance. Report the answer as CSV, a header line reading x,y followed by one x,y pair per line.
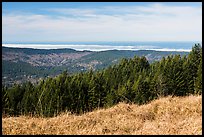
x,y
101,46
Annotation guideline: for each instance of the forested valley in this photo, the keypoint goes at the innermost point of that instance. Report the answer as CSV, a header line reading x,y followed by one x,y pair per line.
x,y
132,80
27,64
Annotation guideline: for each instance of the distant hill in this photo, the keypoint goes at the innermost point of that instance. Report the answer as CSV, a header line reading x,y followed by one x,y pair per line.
x,y
23,64
32,51
165,116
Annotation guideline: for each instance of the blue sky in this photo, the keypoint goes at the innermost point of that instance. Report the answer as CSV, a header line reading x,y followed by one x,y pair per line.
x,y
101,21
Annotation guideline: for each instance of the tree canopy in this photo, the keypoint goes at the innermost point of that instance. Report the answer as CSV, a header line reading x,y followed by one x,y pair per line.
x,y
132,80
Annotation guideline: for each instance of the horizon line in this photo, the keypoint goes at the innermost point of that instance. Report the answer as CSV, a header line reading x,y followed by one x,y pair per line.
x,y
118,48
35,42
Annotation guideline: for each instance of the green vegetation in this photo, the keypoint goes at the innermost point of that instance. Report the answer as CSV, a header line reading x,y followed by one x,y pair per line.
x,y
133,80
22,71
25,64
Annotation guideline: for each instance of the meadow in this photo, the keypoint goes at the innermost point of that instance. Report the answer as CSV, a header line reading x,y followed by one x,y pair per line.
x,y
164,116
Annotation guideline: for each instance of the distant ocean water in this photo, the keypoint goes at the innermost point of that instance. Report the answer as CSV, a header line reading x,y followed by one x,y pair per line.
x,y
101,46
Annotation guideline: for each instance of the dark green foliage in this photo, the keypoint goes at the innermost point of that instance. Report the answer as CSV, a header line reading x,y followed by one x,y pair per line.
x,y
133,80
21,68
191,66
198,80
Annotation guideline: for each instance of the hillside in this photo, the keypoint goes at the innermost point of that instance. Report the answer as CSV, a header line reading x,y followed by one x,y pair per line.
x,y
27,64
169,115
132,80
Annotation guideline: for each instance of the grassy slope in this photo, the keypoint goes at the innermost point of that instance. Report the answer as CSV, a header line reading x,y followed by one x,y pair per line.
x,y
177,115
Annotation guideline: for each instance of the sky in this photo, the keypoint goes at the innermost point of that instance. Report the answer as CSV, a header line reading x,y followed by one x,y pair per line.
x,y
101,21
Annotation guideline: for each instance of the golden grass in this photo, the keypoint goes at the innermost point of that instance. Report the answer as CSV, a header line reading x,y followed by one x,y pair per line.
x,y
177,115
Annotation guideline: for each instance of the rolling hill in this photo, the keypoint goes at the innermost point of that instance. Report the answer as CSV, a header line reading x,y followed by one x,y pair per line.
x,y
27,64
164,116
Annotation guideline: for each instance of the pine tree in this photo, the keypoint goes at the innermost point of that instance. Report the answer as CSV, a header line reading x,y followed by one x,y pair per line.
x,y
28,99
191,67
5,100
141,89
198,81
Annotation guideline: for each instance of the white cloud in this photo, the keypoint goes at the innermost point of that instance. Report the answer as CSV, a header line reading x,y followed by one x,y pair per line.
x,y
93,47
72,11
156,22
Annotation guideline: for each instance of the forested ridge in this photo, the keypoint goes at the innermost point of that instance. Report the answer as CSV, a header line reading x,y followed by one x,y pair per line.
x,y
133,80
26,64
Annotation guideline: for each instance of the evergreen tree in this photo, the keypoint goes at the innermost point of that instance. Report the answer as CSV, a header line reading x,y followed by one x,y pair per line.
x,y
198,81
132,80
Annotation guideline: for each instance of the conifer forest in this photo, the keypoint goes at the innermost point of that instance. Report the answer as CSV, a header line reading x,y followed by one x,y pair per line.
x,y
133,80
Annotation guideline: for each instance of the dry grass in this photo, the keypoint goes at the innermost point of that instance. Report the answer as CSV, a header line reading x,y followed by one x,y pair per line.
x,y
177,115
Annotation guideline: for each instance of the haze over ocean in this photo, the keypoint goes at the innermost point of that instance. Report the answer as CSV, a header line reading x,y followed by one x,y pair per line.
x,y
101,46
